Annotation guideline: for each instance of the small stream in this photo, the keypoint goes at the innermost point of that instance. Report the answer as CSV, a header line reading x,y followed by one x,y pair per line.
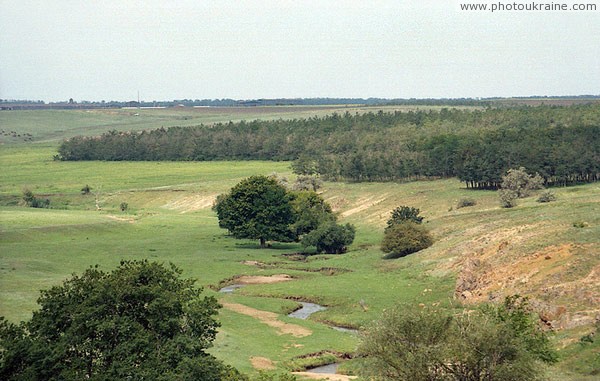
x,y
303,313
231,288
306,310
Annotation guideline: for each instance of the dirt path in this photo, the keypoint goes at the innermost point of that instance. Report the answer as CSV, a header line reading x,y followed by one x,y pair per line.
x,y
270,319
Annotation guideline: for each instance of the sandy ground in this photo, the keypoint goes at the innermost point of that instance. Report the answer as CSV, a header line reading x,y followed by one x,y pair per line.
x,y
270,319
257,279
262,363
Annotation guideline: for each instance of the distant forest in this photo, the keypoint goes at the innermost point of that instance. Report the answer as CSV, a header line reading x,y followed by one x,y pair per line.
x,y
561,143
18,104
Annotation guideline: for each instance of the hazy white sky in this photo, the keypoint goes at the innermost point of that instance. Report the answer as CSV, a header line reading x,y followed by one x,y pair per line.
x,y
111,49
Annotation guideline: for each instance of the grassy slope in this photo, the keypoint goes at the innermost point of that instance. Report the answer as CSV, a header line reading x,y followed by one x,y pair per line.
x,y
170,220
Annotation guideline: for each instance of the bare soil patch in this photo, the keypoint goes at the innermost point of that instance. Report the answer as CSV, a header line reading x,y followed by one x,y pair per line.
x,y
262,363
270,319
564,288
259,279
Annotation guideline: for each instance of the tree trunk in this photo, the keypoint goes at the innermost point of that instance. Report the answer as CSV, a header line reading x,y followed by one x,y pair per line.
x,y
263,243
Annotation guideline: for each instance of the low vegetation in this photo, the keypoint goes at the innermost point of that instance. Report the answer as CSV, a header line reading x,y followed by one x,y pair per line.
x,y
493,343
466,202
32,201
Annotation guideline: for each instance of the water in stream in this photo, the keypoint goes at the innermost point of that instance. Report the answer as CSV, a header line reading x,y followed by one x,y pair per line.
x,y
231,288
306,310
325,369
303,313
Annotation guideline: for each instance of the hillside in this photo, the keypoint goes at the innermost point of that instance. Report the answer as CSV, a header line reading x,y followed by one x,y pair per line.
x,y
547,251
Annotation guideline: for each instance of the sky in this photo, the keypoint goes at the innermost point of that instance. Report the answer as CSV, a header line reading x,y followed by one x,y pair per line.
x,y
53,50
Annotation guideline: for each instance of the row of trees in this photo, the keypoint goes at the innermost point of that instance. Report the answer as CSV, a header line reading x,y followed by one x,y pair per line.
x,y
262,208
560,143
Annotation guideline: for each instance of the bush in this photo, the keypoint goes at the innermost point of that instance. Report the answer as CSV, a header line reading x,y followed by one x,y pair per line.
x,y
520,182
403,239
124,206
508,198
492,343
34,202
465,202
307,183
547,196
330,238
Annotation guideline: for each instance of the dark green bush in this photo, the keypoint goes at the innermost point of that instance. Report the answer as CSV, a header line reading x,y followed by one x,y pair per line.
x,y
403,239
330,238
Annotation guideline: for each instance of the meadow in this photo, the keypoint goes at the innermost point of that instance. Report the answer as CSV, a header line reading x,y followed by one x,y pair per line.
x,y
169,219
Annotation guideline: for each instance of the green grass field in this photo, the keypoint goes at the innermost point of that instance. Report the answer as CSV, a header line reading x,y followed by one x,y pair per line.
x,y
169,219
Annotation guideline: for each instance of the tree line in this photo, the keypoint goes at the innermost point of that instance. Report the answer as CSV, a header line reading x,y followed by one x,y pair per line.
x,y
477,146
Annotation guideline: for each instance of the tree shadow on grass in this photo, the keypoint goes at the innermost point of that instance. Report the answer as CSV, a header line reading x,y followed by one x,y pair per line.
x,y
279,246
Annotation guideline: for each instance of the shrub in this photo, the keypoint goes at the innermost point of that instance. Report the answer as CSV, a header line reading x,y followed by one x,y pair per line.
x,y
492,343
465,202
124,206
520,182
508,198
547,196
330,238
403,239
307,183
34,202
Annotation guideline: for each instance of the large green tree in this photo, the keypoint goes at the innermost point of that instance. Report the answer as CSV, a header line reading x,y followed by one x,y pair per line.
x,y
139,322
258,207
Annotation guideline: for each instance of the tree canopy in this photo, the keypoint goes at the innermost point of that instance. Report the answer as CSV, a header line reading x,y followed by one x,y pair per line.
x,y
404,214
257,208
140,321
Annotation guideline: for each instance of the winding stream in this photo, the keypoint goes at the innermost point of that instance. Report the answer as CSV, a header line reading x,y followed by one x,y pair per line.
x,y
303,313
